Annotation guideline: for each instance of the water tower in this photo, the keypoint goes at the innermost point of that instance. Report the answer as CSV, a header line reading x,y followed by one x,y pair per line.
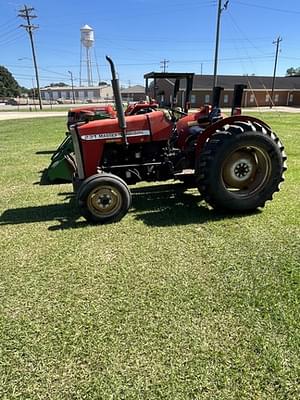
x,y
87,42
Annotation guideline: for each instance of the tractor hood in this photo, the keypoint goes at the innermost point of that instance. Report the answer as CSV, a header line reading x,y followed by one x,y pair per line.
x,y
154,125
109,129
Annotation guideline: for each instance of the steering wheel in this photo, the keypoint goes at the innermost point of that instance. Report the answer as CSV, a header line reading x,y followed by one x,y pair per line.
x,y
174,112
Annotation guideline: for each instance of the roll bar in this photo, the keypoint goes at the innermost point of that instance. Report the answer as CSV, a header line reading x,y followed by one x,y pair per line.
x,y
237,97
217,90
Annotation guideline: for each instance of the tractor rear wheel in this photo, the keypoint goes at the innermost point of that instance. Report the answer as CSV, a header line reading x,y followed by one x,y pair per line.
x,y
241,167
103,198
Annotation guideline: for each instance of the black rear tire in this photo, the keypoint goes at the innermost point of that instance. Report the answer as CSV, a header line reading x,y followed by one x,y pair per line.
x,y
103,198
241,167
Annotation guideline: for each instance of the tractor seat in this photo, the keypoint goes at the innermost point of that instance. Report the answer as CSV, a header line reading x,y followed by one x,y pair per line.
x,y
195,130
213,116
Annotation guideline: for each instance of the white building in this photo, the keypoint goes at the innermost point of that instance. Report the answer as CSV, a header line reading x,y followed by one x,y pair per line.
x,y
82,94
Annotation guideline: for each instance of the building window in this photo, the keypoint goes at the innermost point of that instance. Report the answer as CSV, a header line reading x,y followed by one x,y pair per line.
x,y
59,94
86,94
225,98
252,98
207,98
267,98
276,99
193,98
291,97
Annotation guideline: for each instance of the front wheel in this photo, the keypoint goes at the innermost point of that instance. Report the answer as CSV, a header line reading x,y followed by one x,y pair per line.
x,y
241,167
103,198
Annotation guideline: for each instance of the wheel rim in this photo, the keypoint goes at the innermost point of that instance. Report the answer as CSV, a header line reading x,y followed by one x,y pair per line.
x,y
246,170
104,201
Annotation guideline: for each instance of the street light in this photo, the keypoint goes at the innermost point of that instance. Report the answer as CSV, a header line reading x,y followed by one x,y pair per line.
x,y
73,94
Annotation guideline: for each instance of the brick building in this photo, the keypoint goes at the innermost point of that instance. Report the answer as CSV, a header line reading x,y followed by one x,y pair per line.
x,y
133,93
286,91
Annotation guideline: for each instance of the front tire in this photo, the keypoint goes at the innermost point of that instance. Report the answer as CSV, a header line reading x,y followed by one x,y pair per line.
x,y
241,167
103,198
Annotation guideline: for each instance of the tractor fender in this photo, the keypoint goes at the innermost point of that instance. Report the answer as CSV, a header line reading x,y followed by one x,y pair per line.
x,y
208,132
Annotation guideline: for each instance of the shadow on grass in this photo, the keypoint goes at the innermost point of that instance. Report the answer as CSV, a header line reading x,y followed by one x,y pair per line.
x,y
45,152
65,214
158,205
167,205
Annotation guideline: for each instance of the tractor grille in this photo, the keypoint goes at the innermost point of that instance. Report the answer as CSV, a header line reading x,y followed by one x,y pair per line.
x,y
77,151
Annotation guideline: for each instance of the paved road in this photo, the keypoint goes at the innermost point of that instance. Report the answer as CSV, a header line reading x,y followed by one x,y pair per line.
x,y
38,114
33,114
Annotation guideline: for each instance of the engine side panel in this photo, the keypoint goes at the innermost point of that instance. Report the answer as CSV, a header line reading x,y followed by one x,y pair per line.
x,y
94,135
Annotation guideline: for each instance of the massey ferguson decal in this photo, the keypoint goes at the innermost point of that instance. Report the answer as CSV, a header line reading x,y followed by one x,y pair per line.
x,y
115,135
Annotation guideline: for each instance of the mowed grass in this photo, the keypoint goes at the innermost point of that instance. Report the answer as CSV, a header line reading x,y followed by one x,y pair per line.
x,y
173,302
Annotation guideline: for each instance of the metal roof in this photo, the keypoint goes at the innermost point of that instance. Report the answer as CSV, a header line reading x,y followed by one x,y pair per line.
x,y
134,89
168,75
62,88
253,82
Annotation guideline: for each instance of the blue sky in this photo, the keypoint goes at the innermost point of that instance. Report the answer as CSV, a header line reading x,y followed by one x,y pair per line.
x,y
138,34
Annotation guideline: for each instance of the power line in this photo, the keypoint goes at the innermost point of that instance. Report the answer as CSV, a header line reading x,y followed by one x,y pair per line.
x,y
268,8
240,32
26,13
9,32
188,61
8,23
243,34
11,39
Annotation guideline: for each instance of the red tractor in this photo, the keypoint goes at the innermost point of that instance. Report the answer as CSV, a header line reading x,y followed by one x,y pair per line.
x,y
236,162
89,113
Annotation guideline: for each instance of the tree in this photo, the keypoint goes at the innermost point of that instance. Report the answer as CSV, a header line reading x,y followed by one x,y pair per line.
x,y
9,87
24,90
58,84
32,92
293,71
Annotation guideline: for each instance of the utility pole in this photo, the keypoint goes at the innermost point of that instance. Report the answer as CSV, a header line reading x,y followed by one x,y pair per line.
x,y
33,92
220,10
164,65
72,83
277,42
26,13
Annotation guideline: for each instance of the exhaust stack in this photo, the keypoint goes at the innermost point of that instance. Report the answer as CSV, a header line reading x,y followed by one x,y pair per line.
x,y
118,99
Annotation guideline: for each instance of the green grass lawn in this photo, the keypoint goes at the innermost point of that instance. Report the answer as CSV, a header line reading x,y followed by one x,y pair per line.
x,y
173,302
